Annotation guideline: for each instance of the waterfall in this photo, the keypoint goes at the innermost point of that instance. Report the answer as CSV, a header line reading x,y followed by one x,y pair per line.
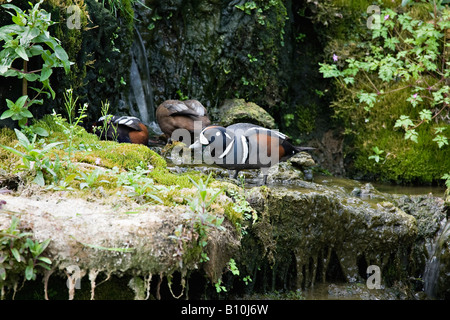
x,y
433,265
140,98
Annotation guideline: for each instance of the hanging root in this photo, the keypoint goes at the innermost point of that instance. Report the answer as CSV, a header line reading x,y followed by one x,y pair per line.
x,y
74,275
183,284
47,275
92,276
148,282
158,287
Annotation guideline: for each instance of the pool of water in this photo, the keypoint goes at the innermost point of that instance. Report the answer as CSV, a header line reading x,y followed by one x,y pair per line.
x,y
349,185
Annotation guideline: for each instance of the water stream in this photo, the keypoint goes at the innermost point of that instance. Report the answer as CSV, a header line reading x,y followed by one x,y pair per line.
x,y
141,99
433,264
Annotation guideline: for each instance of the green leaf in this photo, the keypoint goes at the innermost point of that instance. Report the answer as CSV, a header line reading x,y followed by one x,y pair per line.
x,y
425,115
404,122
40,131
39,179
29,272
16,254
20,154
447,178
11,6
19,20
21,52
46,73
26,113
61,54
23,140
412,135
21,101
439,129
441,140
7,114
31,77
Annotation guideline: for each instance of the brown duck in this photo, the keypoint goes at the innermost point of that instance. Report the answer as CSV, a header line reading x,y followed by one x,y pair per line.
x,y
176,114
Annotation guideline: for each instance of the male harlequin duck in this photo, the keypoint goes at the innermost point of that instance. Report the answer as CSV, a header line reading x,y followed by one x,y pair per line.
x,y
246,146
176,114
121,129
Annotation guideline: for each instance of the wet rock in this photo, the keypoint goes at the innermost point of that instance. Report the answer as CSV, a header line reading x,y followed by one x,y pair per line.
x,y
367,191
328,234
302,160
431,254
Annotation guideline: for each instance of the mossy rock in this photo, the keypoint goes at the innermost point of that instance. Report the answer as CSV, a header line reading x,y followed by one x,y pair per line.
x,y
128,155
238,110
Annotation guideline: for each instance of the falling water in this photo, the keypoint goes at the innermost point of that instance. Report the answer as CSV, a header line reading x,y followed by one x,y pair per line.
x,y
433,265
141,94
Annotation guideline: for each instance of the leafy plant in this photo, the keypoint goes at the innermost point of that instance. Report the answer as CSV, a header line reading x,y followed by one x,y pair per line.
x,y
90,179
74,129
247,7
377,156
17,111
34,158
199,219
106,124
19,253
139,186
202,221
29,37
63,184
409,53
446,177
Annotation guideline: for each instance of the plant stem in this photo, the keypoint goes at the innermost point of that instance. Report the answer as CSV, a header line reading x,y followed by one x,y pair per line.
x,y
24,80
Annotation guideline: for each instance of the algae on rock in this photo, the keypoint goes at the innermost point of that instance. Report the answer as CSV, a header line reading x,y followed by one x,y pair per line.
x,y
312,227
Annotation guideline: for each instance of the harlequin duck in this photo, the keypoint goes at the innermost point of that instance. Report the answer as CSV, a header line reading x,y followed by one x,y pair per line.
x,y
121,129
176,114
246,146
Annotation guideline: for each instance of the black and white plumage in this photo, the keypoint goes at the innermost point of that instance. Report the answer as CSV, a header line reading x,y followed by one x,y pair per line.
x,y
123,129
245,146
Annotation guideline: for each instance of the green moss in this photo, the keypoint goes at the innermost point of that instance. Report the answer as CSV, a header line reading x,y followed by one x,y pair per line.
x,y
362,5
404,161
127,155
305,118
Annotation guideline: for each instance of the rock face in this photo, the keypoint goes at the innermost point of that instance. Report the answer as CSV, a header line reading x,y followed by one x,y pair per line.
x,y
116,238
305,233
213,50
327,235
432,245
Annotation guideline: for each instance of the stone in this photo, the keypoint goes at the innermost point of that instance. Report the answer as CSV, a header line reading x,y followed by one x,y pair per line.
x,y
238,110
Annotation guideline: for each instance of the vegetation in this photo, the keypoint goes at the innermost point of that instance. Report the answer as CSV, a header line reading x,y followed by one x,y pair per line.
x,y
391,94
28,37
396,82
19,253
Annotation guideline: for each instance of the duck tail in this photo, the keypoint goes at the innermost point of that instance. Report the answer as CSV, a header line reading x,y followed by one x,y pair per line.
x,y
299,149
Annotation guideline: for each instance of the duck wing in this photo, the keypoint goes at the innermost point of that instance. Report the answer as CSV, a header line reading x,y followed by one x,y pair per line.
x,y
131,122
197,107
181,108
249,129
